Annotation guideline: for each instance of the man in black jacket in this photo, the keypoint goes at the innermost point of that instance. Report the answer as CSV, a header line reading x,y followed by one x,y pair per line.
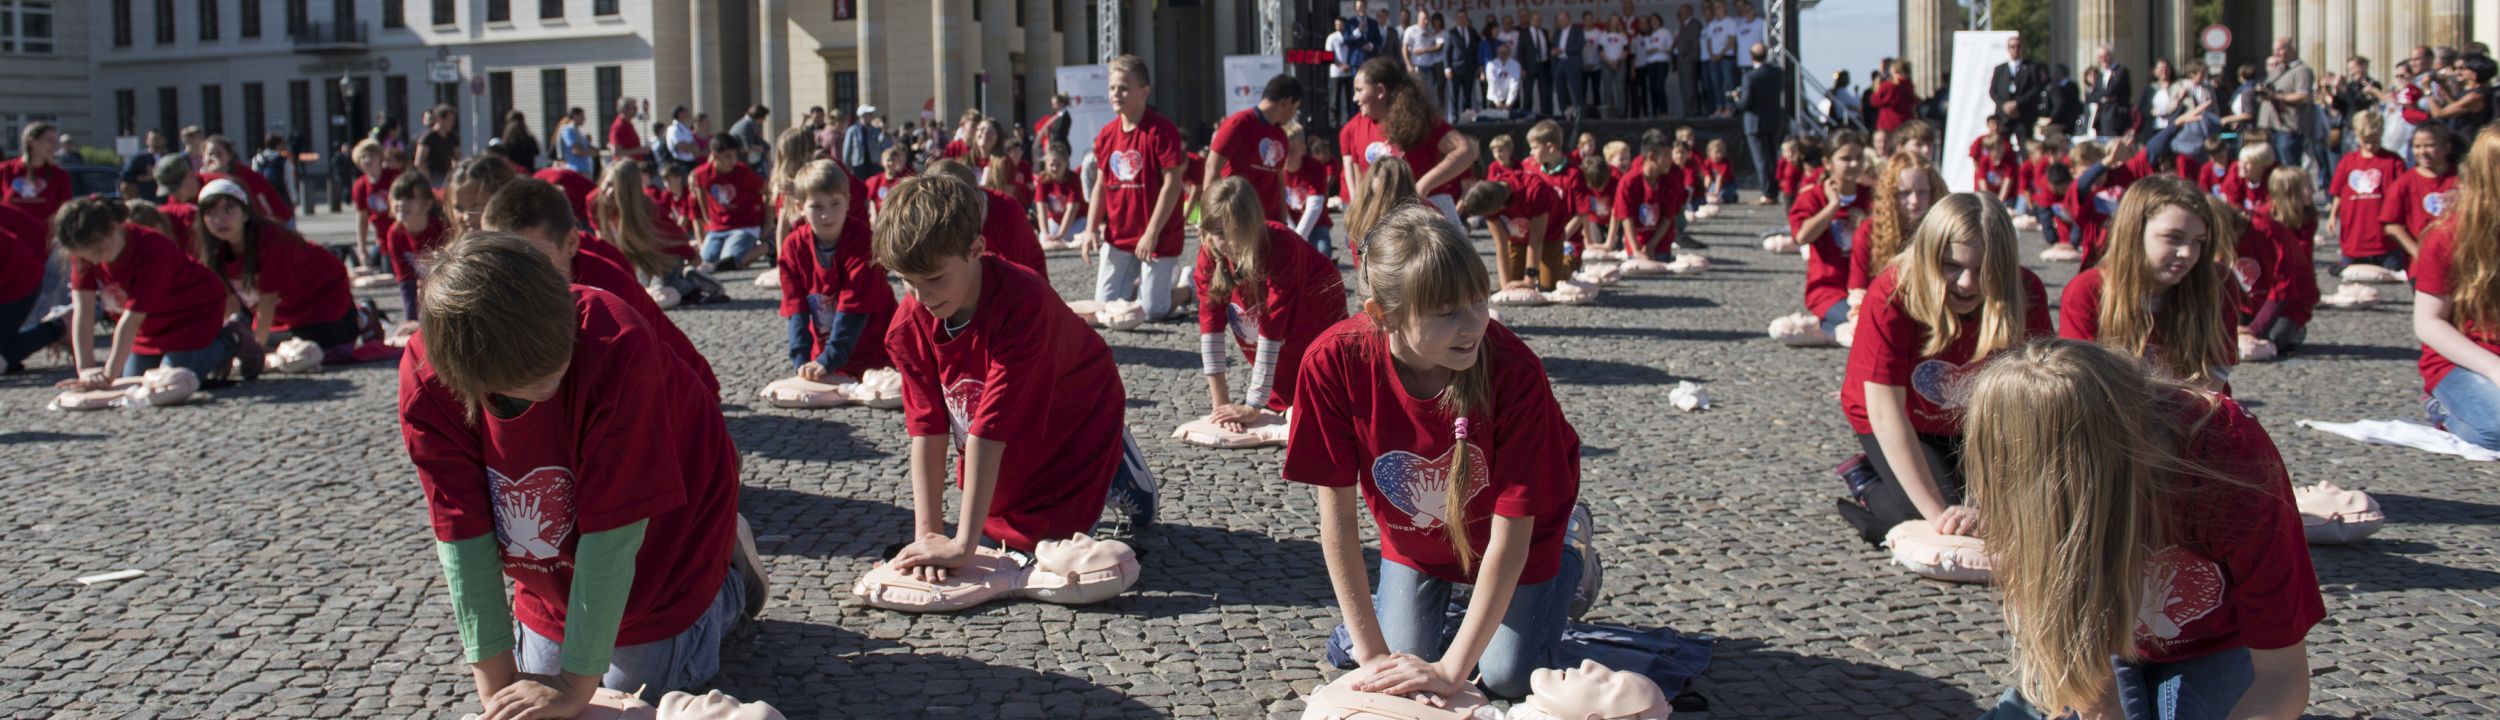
x,y
1758,97
1684,60
2016,87
2113,96
1536,90
1571,46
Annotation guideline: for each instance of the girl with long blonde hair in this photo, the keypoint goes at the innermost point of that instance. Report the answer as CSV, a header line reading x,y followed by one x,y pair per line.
x,y
1390,183
2456,300
2289,228
621,214
1955,296
1269,289
2161,290
2143,534
1899,206
791,153
1445,425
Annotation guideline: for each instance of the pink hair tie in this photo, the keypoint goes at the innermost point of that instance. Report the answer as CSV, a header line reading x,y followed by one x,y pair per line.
x,y
1460,429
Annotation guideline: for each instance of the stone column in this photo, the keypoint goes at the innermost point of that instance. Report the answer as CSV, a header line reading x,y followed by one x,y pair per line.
x,y
2369,38
2107,22
1927,42
2404,26
997,59
950,85
703,26
774,51
1041,55
2451,23
870,31
2286,24
2313,33
2175,38
2339,38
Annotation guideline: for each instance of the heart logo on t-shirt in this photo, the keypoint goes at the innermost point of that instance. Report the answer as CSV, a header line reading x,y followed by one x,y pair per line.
x,y
1420,488
1649,215
1378,149
2363,182
533,513
1126,163
1939,382
2436,203
2106,199
2179,588
1057,205
2247,271
1245,326
723,193
1599,207
1271,152
378,203
960,397
1518,227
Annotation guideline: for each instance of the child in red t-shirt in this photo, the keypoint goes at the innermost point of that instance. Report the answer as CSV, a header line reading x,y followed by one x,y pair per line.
x,y
25,245
2169,491
1649,201
538,212
418,227
34,181
371,195
1958,295
1998,171
1309,184
2363,179
1529,219
1443,423
730,197
2245,187
171,305
2424,195
1135,213
2163,277
1060,199
1591,195
1825,219
674,193
897,166
1898,207
2280,315
2460,338
1717,187
283,282
1025,391
1005,231
833,292
1789,172
1259,281
559,446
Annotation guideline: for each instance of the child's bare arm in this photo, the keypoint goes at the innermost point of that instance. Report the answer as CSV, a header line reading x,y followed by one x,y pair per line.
x,y
928,484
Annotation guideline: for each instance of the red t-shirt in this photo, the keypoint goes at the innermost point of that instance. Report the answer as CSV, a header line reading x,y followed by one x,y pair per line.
x,y
576,186
956,149
1713,173
2212,176
2430,277
844,278
1307,187
24,245
1254,150
2362,183
184,217
1791,177
1993,172
1300,295
622,137
1019,180
732,199
2093,207
2257,264
2246,193
1027,373
184,302
1895,102
1132,163
1355,425
2418,199
1887,351
1531,199
1565,179
1862,264
1367,142
1007,234
2036,180
628,437
1056,197
38,192
1827,266
2293,277
2239,573
595,272
405,247
265,197
311,283
372,196
881,185
1650,203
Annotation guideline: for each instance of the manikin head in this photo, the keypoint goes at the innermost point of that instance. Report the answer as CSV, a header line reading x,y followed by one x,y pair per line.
x,y
1592,692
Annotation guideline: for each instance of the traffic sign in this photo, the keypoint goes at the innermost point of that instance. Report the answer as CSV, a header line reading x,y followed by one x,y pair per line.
x,y
477,84
2214,60
2215,37
442,71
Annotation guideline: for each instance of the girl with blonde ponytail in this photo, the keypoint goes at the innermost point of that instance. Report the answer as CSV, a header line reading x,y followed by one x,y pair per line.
x,y
1272,292
2161,291
1444,423
2139,525
1390,183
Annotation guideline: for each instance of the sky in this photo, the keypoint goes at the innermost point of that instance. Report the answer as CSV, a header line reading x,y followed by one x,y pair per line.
x,y
1848,34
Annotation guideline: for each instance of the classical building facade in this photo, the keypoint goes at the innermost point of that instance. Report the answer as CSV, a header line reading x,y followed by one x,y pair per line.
x,y
43,55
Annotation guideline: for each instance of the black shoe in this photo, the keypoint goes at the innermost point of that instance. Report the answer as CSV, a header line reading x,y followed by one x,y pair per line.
x,y
247,351
1687,242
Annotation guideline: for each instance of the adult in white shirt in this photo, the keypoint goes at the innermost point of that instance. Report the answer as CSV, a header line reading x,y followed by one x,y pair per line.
x,y
1340,74
1613,46
1424,56
1750,28
1653,66
1501,79
680,141
1718,52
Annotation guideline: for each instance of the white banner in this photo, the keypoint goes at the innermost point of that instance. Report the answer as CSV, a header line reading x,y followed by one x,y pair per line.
x,y
1089,106
1976,55
1245,77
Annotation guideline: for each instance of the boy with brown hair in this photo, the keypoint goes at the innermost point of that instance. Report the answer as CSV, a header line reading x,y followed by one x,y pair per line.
x,y
833,292
1028,394
538,212
613,512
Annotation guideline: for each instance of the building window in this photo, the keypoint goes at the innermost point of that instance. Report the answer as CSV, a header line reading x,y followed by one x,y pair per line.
x,y
1058,20
169,111
395,99
208,20
607,7
551,100
447,94
976,10
255,112
248,15
845,10
394,13
611,82
213,109
846,90
26,27
498,11
13,126
298,15
498,101
550,9
299,109
121,23
343,14
1020,12
164,22
125,112
444,12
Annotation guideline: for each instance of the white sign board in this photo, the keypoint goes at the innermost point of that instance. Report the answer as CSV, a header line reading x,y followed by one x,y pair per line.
x,y
1089,106
442,72
2214,60
1976,55
1245,77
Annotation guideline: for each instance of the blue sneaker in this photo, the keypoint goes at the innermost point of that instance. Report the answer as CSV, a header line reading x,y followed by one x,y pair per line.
x,y
1581,536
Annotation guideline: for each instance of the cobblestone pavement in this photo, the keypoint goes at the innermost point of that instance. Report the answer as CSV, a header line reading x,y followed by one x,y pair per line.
x,y
289,572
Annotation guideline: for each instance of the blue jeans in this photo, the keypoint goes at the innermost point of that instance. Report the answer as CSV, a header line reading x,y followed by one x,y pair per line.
x,y
729,245
54,292
1412,608
207,362
1320,240
2205,688
1116,278
2289,148
1833,316
1722,72
685,661
1568,89
2472,405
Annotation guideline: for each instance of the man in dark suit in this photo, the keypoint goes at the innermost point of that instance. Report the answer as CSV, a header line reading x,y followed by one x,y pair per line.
x,y
2113,96
1571,45
1684,61
1759,98
1536,89
1462,64
2016,87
